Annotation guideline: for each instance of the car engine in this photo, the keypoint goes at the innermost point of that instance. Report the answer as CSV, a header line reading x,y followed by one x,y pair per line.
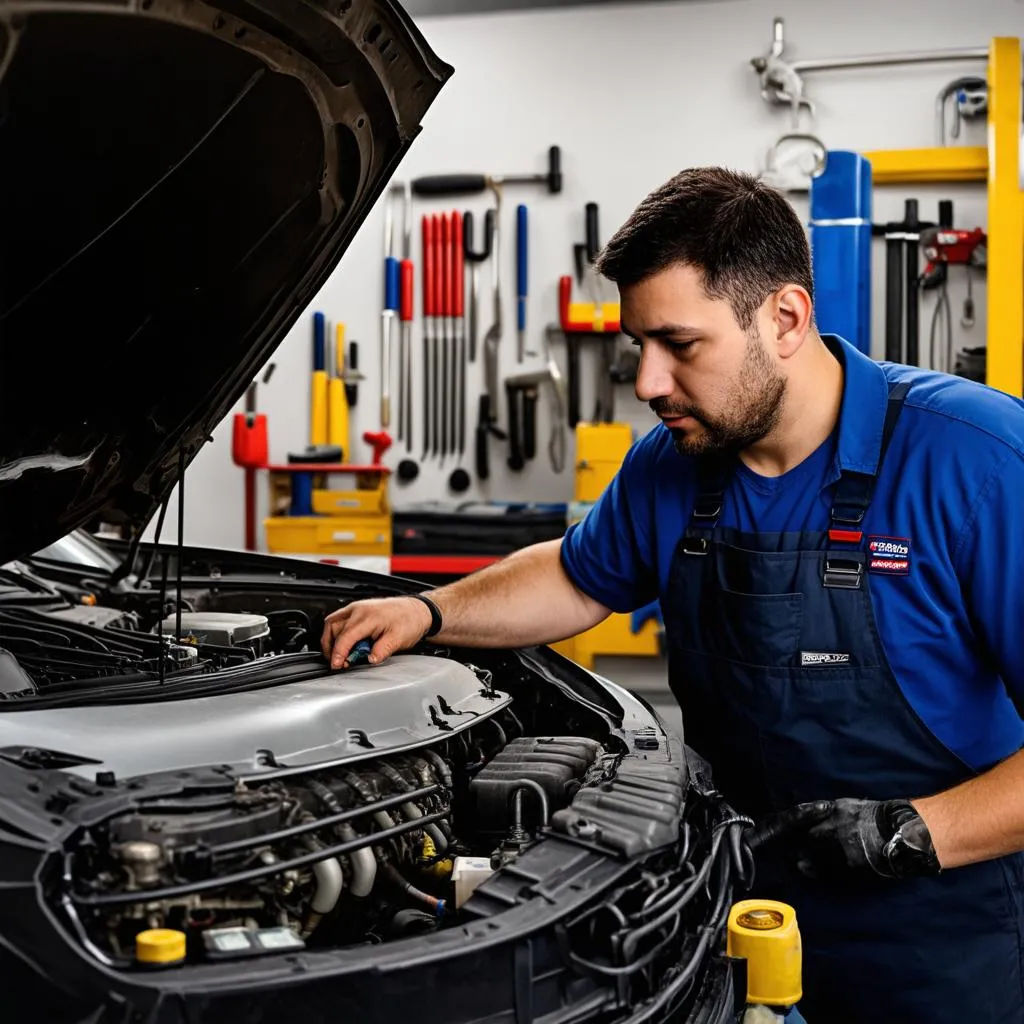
x,y
191,772
377,850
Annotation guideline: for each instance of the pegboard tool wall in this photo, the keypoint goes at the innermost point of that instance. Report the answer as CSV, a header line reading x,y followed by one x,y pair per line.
x,y
631,94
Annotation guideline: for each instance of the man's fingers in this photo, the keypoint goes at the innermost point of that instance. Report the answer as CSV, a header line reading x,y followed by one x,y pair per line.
x,y
382,649
332,624
790,821
346,639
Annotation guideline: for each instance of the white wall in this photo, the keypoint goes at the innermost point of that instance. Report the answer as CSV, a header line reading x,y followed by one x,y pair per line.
x,y
631,93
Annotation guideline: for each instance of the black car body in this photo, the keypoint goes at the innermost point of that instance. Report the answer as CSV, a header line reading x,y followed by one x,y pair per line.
x,y
473,835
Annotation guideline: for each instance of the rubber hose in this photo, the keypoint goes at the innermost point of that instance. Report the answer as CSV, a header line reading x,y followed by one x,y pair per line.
x,y
442,768
411,811
438,906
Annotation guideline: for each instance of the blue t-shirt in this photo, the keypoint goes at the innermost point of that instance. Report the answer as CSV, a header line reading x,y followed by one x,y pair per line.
x,y
951,488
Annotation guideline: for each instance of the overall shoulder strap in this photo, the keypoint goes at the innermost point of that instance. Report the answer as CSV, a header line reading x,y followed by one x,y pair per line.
x,y
713,477
852,499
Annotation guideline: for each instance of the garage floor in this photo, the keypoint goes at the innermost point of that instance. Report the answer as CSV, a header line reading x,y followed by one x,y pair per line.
x,y
649,678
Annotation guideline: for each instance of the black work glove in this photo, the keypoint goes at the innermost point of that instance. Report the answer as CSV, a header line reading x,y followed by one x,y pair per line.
x,y
887,838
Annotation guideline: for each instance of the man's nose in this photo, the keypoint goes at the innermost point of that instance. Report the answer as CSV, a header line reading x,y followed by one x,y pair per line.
x,y
654,374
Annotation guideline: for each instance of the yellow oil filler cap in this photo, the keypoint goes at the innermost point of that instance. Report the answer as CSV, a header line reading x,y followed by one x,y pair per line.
x,y
765,934
160,947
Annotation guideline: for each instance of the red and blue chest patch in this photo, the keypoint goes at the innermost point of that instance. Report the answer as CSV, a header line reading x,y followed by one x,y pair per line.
x,y
889,555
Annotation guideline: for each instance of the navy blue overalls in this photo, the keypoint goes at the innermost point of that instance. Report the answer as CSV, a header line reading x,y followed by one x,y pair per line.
x,y
776,661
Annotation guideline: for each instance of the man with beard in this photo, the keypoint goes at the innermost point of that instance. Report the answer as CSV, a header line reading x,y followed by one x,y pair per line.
x,y
837,551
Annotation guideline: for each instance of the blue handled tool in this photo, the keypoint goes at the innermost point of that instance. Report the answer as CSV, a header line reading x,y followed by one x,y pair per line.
x,y
522,250
360,653
388,317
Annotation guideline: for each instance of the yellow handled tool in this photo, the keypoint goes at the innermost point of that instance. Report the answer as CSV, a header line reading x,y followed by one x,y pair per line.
x,y
337,401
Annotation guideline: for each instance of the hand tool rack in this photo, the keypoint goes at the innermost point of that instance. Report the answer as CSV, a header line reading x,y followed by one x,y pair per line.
x,y
998,165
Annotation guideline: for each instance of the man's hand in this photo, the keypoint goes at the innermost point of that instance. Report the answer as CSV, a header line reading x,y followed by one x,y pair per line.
x,y
392,623
885,838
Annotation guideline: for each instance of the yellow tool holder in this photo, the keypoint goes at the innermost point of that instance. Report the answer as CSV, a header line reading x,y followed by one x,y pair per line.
x,y
352,521
998,165
600,449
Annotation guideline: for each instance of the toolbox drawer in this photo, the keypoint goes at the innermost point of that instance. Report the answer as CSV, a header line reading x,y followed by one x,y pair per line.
x,y
363,535
332,503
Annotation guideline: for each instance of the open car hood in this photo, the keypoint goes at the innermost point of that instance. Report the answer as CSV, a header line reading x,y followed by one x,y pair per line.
x,y
177,179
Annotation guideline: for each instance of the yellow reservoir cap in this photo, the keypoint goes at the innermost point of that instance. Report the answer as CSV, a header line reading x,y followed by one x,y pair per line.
x,y
765,934
160,946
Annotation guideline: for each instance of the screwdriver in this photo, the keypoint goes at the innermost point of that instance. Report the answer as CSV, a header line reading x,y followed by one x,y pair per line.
x,y
521,282
337,402
391,276
406,313
458,310
446,312
435,280
427,230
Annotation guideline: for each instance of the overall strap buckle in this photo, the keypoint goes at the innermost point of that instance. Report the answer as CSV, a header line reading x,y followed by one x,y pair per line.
x,y
844,573
694,544
845,568
713,478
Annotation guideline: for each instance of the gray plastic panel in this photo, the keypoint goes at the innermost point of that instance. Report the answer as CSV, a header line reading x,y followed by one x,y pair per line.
x,y
389,706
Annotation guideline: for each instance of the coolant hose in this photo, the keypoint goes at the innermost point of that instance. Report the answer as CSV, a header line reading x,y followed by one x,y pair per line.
x,y
363,790
443,771
411,811
436,905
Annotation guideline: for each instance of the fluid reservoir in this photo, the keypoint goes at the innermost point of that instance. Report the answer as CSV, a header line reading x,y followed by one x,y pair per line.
x,y
160,947
765,934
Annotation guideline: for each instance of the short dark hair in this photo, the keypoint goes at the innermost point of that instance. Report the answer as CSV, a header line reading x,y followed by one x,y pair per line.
x,y
742,235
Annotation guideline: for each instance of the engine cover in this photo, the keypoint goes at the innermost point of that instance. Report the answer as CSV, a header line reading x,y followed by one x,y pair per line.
x,y
409,701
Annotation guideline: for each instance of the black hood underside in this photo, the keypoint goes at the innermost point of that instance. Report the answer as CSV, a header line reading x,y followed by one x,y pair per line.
x,y
177,179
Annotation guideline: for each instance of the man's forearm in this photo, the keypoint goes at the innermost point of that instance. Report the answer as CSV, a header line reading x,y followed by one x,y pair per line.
x,y
980,819
522,600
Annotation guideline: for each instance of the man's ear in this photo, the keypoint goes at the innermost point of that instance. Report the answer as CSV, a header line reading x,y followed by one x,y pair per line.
x,y
792,314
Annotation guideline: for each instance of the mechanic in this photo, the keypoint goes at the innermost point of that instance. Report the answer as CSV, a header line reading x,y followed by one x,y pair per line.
x,y
837,549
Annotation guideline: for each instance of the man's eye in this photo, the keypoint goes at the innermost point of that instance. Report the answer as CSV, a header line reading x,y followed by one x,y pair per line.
x,y
679,346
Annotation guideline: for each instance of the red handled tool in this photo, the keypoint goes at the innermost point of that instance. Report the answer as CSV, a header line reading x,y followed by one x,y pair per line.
x,y
435,368
427,230
446,313
379,441
250,450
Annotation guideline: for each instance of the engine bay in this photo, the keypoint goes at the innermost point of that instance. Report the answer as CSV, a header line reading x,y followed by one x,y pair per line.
x,y
208,803
366,853
350,808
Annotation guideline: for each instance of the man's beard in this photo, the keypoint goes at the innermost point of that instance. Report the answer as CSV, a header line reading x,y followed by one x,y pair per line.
x,y
754,404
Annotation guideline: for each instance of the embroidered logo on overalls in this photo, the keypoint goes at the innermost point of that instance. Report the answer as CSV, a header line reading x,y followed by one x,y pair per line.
x,y
889,555
824,658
